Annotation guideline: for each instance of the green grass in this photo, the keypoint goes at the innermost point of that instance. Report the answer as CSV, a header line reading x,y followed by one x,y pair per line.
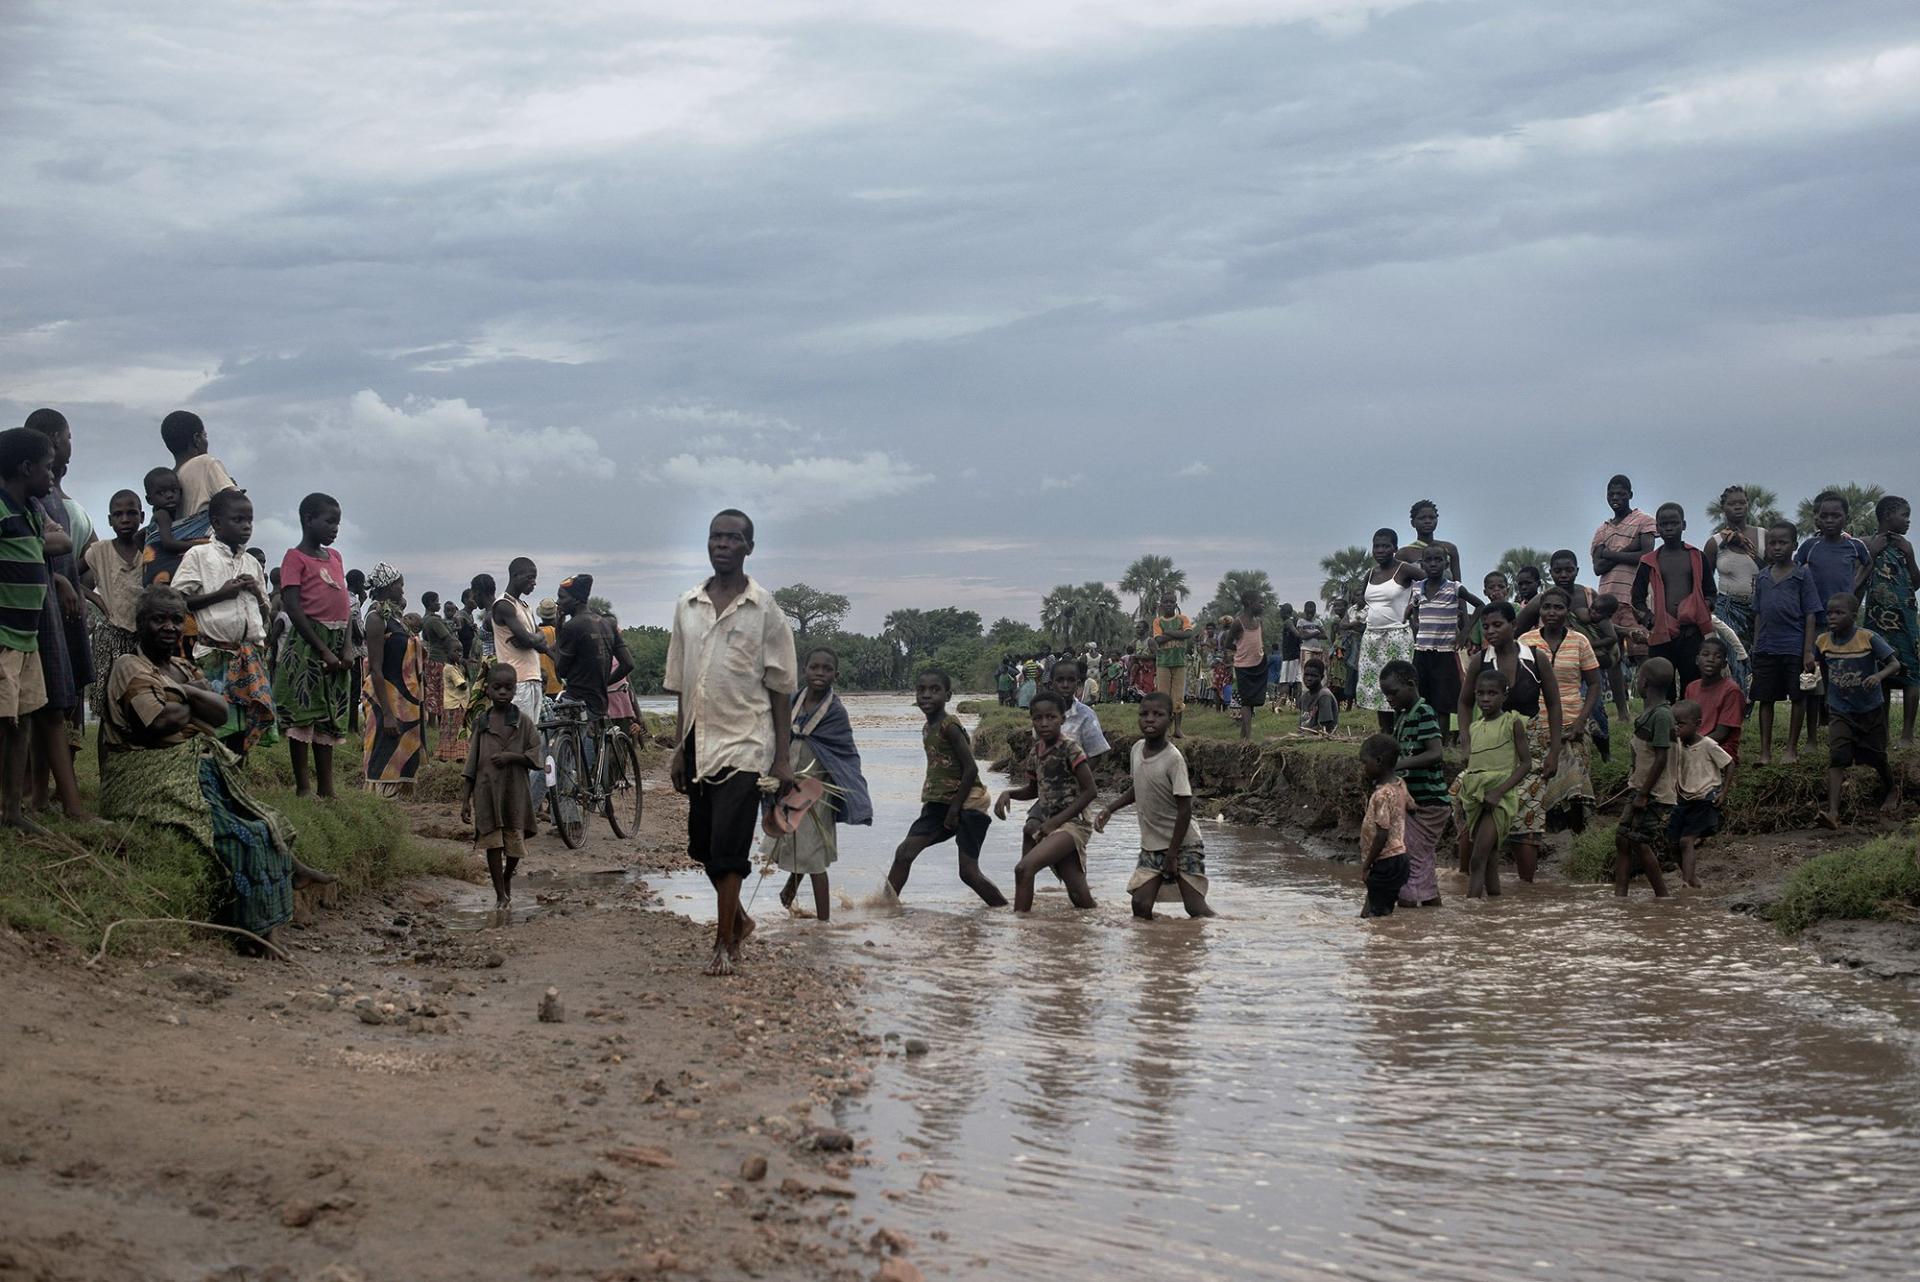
x,y
1878,879
92,875
1590,854
1199,723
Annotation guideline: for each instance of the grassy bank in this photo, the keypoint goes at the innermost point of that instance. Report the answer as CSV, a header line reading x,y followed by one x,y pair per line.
x,y
74,884
1880,879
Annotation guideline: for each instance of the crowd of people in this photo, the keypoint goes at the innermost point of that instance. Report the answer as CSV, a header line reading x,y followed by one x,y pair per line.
x,y
195,654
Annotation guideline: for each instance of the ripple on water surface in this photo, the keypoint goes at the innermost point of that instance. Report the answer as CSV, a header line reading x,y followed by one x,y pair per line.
x,y
1553,1084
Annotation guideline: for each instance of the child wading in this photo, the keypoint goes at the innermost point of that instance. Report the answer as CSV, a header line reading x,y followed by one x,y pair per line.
x,y
1702,776
1858,664
1644,829
1060,783
1383,830
823,749
953,802
1173,861
494,797
1489,797
311,687
1422,765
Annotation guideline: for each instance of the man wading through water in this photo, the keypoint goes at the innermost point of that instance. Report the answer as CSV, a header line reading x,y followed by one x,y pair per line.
x,y
731,665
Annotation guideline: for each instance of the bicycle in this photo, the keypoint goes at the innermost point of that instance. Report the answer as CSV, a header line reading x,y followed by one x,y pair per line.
x,y
608,781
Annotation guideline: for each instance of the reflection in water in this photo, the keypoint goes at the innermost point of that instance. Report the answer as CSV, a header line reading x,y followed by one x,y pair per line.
x,y
1551,1084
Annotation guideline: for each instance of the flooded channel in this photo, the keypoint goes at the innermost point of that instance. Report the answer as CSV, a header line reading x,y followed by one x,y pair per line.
x,y
1553,1084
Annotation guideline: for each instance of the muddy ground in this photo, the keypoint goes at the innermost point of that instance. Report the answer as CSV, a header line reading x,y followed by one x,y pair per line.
x,y
392,1106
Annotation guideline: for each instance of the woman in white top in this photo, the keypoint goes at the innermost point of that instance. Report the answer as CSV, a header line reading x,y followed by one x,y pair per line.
x,y
1389,636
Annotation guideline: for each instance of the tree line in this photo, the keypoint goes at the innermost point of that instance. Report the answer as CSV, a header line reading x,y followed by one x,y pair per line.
x,y
1074,616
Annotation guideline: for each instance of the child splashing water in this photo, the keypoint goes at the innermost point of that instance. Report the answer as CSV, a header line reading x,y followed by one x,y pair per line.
x,y
1061,783
823,749
1173,861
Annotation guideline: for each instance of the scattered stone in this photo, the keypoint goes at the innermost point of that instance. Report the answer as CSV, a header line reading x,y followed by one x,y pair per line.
x,y
754,1169
551,1009
828,1139
495,960
898,1271
298,1213
369,1011
916,1046
313,1001
661,1261
642,1155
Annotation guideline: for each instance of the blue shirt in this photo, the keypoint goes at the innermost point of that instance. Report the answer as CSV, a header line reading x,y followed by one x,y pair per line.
x,y
1849,663
1780,610
1836,567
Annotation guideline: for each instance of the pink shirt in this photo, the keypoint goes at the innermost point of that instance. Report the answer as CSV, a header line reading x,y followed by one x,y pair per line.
x,y
1251,651
322,584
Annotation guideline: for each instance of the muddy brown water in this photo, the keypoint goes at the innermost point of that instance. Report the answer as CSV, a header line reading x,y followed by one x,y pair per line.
x,y
1554,1084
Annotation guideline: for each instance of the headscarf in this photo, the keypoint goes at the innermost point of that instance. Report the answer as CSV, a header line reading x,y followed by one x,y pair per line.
x,y
382,575
579,587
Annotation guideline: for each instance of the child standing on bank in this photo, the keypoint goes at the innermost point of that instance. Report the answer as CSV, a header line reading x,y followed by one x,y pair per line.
x,y
1173,860
1785,607
1702,777
953,802
1435,611
226,588
1722,708
1857,664
1383,830
1498,759
1644,828
494,796
311,687
823,749
1060,784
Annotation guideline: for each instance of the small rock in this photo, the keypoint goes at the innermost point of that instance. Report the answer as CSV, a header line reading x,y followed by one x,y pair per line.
x,y
828,1139
898,1271
754,1169
642,1155
915,1046
661,1261
495,960
369,1011
890,1241
313,1001
551,1010
297,1214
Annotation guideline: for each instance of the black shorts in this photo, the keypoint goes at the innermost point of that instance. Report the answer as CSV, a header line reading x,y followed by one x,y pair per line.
x,y
1251,685
1648,824
1776,677
1857,739
722,817
1699,818
1436,675
971,834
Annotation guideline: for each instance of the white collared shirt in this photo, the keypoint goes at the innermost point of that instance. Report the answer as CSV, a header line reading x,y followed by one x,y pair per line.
x,y
208,567
1082,725
723,667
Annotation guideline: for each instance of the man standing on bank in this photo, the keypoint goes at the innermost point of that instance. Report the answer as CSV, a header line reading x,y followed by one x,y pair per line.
x,y
730,663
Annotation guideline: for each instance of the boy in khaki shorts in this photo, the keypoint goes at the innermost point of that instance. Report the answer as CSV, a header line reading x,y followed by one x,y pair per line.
x,y
26,473
1171,632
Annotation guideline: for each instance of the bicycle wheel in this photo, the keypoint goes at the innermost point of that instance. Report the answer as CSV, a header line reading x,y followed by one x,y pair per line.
x,y
569,816
624,798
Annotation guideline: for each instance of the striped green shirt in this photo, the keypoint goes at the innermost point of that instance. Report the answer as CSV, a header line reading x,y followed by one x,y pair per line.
x,y
1415,729
23,576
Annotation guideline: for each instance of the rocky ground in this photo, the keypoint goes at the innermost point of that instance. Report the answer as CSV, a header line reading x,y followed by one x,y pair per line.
x,y
422,1095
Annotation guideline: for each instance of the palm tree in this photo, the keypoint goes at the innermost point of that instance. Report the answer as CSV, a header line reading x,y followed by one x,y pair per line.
x,y
1860,502
1074,615
1148,577
1763,508
1236,583
1513,559
906,630
1346,572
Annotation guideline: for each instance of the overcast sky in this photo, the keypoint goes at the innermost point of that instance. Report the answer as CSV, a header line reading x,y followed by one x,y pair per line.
x,y
962,300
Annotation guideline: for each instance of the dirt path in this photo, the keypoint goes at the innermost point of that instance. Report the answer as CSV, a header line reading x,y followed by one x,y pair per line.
x,y
394,1109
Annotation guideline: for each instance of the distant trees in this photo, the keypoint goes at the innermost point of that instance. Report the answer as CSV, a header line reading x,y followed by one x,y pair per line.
x,y
1075,615
812,609
1513,559
1763,509
1346,572
1860,500
1147,578
1233,585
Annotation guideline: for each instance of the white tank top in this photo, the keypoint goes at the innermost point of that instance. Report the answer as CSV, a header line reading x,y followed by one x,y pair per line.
x,y
1387,604
526,663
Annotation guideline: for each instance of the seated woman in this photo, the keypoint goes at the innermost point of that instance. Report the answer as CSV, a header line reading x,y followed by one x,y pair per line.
x,y
160,763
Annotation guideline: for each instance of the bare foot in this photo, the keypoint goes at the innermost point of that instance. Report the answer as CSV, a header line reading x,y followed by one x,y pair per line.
x,y
743,927
1829,820
24,824
1788,757
1891,804
788,895
1763,760
305,875
721,963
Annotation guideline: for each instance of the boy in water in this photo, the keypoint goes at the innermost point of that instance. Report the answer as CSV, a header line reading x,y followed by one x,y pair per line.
x,y
1497,760
1722,708
1422,764
1785,607
1173,860
1673,596
1702,778
953,802
1653,781
1082,724
1060,784
1319,710
1857,663
1383,829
